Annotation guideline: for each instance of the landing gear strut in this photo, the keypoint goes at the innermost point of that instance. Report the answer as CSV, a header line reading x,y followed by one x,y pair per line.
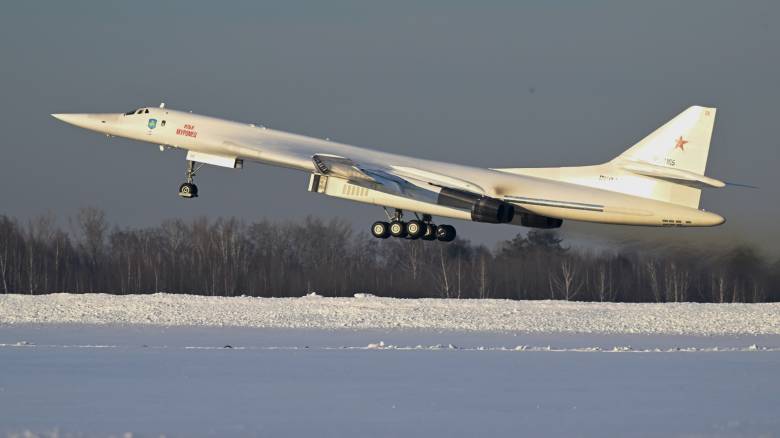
x,y
419,228
188,189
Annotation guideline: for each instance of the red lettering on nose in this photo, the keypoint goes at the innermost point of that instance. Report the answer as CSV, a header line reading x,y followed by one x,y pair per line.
x,y
187,131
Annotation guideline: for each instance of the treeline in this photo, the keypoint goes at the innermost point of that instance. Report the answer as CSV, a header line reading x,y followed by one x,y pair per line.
x,y
231,257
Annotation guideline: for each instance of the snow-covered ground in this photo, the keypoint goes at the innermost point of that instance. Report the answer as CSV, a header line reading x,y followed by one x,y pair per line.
x,y
162,365
381,313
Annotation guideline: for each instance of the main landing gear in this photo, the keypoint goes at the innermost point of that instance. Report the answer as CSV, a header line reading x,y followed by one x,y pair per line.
x,y
414,229
188,189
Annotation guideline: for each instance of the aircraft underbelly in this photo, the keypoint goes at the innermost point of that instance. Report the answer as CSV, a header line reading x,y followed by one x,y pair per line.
x,y
343,189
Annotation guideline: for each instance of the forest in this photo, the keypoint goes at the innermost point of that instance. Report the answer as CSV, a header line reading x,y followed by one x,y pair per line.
x,y
230,257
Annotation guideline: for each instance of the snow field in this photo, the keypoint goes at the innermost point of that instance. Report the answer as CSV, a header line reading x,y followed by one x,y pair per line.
x,y
76,380
368,312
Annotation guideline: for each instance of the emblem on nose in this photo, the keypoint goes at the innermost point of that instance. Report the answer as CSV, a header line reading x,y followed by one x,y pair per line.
x,y
152,123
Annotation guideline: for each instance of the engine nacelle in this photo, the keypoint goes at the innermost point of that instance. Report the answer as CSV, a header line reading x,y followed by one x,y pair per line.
x,y
483,208
492,210
536,221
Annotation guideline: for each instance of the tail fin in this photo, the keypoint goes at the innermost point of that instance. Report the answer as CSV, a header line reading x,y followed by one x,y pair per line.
x,y
667,165
682,143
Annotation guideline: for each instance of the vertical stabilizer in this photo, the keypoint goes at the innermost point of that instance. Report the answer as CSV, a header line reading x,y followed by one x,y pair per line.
x,y
682,143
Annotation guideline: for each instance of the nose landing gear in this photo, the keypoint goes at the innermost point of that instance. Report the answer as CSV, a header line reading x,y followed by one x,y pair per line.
x,y
414,229
188,189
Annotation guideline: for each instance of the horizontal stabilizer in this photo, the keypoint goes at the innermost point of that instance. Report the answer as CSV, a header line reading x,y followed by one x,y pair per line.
x,y
677,176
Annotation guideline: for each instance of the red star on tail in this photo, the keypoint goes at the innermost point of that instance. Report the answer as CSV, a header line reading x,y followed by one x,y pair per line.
x,y
681,144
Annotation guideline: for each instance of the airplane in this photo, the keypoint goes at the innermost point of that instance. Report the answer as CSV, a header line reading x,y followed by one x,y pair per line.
x,y
656,182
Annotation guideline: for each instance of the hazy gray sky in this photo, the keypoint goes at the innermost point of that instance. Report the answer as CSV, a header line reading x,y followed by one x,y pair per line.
x,y
489,84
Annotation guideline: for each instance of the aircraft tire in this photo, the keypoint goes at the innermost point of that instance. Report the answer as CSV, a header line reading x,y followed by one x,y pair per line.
x,y
430,232
398,229
188,190
415,229
445,233
380,230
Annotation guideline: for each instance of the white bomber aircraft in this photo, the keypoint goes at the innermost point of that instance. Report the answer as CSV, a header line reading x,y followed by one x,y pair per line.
x,y
656,182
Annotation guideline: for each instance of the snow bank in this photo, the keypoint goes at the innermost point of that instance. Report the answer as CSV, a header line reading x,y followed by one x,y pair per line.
x,y
389,313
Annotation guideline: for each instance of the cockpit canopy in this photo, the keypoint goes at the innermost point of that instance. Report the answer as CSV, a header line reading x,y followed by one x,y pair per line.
x,y
138,111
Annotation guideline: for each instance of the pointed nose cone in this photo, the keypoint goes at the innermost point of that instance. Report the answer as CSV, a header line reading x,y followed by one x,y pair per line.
x,y
96,122
80,120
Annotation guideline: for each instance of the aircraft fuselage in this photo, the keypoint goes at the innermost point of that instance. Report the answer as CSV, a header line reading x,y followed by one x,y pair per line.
x,y
222,142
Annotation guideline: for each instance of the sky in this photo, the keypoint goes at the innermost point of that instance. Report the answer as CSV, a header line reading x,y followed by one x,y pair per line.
x,y
493,84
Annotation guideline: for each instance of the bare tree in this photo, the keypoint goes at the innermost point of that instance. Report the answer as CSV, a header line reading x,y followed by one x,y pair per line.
x,y
441,274
565,279
8,242
651,266
483,276
604,286
93,226
228,257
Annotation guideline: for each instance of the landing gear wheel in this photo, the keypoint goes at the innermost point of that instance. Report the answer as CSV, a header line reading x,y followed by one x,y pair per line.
x,y
430,232
188,190
398,229
445,233
415,229
380,230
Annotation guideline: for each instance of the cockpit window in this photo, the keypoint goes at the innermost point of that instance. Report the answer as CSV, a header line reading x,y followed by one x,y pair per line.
x,y
138,111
